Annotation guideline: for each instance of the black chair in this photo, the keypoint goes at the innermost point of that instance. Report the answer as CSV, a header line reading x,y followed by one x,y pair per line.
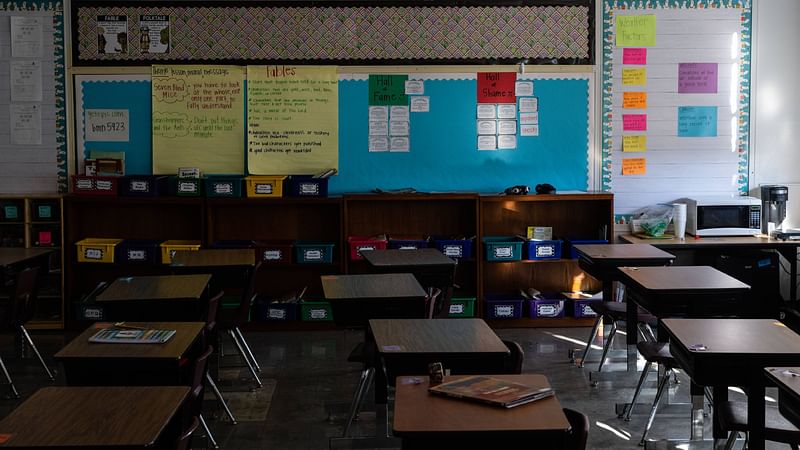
x,y
185,439
194,405
579,422
209,335
513,363
231,320
616,312
733,417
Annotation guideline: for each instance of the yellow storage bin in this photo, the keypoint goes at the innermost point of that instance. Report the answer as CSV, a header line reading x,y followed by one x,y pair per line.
x,y
97,250
168,248
265,185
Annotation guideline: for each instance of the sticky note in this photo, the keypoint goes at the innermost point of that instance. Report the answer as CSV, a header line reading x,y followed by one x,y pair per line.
x,y
697,78
634,56
634,77
634,122
636,143
634,100
634,166
697,121
636,31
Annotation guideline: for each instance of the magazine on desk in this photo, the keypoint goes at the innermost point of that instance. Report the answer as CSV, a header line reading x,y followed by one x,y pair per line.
x,y
491,390
117,336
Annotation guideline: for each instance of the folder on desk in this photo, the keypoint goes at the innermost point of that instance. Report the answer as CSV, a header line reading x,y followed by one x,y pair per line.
x,y
492,390
118,336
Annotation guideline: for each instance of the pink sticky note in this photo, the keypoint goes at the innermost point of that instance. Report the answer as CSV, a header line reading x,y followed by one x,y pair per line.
x,y
634,122
634,56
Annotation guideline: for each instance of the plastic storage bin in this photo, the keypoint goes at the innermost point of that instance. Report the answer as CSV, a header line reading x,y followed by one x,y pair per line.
x,y
143,186
306,186
453,248
97,250
581,308
316,311
223,186
408,242
264,186
186,187
502,248
136,251
101,186
571,243
547,308
168,248
360,244
276,312
45,210
274,252
45,235
503,307
540,250
12,211
311,252
462,307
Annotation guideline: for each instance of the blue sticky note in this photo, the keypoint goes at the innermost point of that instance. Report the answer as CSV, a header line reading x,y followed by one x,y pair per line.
x,y
697,121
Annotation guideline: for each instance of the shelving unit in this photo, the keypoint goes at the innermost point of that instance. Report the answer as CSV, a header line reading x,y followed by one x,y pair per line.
x,y
30,230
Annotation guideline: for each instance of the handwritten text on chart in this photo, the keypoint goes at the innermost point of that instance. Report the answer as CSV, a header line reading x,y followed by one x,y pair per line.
x,y
634,100
636,30
634,166
697,121
634,56
634,122
697,78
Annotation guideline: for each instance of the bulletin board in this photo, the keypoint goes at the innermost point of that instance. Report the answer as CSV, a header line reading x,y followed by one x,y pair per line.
x,y
33,142
443,155
692,135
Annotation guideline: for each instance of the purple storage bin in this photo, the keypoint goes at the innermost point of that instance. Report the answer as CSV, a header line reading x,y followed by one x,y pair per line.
x,y
503,307
539,250
454,248
547,308
582,308
407,243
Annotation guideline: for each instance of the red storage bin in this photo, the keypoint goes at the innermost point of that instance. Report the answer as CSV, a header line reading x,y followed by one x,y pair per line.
x,y
364,243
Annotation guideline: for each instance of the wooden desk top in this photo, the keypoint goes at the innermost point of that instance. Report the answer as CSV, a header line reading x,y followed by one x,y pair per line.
x,y
388,285
622,252
408,258
12,255
407,336
750,337
690,242
166,287
84,417
214,258
677,279
185,334
417,411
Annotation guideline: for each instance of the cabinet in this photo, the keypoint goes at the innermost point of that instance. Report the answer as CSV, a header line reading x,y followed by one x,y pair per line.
x,y
31,222
571,216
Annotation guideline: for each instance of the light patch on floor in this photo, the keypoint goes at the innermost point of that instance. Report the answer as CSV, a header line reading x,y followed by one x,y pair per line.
x,y
251,406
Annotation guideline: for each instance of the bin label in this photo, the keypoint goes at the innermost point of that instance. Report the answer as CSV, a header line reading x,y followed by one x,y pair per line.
x,y
84,184
187,186
223,188
93,313
11,212
44,212
93,253
504,311
312,255
272,255
364,248
104,185
408,247
137,255
264,189
587,311
503,252
139,186
319,313
453,250
546,310
545,251
457,309
275,313
309,188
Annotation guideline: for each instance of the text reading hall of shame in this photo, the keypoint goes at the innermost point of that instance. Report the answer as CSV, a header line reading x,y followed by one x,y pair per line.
x,y
493,91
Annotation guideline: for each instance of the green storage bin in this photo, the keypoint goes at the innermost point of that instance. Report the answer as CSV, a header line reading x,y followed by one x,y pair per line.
x,y
186,187
223,186
310,252
316,311
462,307
230,302
502,248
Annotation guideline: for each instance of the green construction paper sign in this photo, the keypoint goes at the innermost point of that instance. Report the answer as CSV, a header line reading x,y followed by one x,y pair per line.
x,y
387,90
636,31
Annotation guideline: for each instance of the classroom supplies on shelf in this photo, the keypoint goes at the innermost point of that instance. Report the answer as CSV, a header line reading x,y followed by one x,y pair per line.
x,y
265,185
360,244
168,248
503,248
97,250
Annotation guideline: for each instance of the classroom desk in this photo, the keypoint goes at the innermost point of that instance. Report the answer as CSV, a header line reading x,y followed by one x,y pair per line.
x,y
602,261
788,381
96,417
212,258
163,297
787,249
95,364
357,298
12,256
736,353
426,421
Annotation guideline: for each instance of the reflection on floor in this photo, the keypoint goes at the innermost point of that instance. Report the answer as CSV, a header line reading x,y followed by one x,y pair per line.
x,y
308,384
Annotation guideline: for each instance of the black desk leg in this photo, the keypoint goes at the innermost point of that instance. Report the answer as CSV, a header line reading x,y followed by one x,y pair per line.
x,y
755,416
720,395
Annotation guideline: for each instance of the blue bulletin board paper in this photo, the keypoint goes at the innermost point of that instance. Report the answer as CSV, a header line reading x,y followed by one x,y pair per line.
x,y
697,121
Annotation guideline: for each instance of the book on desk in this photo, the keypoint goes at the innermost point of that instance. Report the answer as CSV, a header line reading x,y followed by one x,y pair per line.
x,y
494,391
128,336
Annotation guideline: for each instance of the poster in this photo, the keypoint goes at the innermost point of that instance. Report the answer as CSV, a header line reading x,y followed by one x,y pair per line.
x,y
26,37
198,118
112,34
293,119
387,90
26,81
154,34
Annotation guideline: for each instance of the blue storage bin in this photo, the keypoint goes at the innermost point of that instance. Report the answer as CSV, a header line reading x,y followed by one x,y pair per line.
x,y
453,248
503,306
502,248
135,251
571,243
547,308
306,186
310,252
143,186
538,250
224,186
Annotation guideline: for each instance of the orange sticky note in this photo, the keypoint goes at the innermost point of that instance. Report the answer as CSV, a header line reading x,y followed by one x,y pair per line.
x,y
636,100
637,143
634,166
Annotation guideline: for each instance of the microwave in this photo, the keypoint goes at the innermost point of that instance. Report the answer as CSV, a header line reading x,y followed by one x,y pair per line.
x,y
723,216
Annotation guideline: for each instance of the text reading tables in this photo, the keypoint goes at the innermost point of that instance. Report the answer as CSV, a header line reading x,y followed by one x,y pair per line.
x,y
167,297
234,257
733,352
424,420
96,417
357,298
98,364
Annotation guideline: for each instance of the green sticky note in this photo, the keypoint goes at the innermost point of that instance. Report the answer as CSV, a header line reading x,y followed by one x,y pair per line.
x,y
44,212
387,90
11,212
636,31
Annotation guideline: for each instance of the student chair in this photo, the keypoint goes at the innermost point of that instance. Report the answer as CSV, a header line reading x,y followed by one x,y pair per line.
x,y
185,439
576,440
231,321
733,417
513,363
194,405
616,312
209,335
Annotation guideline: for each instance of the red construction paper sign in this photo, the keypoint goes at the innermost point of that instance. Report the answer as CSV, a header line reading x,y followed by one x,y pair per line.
x,y
496,87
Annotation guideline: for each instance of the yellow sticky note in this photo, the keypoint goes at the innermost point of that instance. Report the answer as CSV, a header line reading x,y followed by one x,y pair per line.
x,y
636,31
634,77
634,100
634,166
634,143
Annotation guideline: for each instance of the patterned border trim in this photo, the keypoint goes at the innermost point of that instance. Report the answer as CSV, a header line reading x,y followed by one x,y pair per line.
x,y
57,7
351,33
743,142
